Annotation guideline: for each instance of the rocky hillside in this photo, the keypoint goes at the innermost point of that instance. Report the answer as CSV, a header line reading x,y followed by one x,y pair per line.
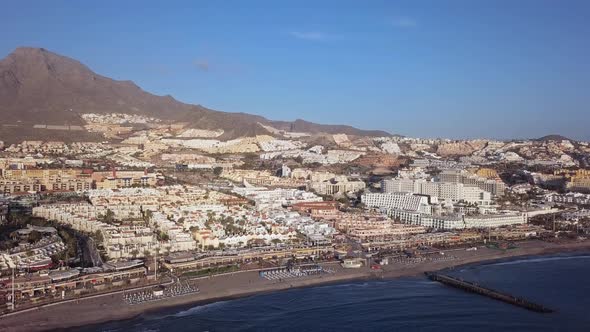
x,y
41,87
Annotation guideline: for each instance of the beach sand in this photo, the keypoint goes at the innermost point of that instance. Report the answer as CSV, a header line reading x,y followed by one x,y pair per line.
x,y
110,307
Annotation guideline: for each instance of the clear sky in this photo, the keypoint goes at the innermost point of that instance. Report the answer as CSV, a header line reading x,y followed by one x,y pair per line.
x,y
445,68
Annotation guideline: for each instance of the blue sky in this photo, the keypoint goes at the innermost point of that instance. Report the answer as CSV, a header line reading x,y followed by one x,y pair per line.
x,y
499,69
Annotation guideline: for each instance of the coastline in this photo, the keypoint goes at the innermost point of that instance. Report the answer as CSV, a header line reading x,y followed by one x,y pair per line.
x,y
106,308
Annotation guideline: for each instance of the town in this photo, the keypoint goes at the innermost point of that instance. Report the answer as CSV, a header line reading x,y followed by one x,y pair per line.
x,y
155,206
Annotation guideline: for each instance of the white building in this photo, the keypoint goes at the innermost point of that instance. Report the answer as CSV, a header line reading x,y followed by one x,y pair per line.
x,y
401,201
444,191
339,185
458,221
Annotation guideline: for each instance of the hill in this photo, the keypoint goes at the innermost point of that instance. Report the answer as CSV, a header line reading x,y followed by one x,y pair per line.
x,y
557,138
40,87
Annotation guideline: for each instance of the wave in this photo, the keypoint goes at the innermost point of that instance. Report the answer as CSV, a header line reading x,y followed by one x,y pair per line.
x,y
538,260
198,309
184,313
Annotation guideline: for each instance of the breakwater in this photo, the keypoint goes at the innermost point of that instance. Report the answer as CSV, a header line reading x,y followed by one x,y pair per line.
x,y
491,293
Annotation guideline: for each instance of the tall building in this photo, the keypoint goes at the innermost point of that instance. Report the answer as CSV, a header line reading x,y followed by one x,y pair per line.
x,y
446,191
495,186
578,180
401,201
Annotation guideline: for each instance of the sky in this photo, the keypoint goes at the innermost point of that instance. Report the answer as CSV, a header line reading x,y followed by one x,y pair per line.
x,y
454,69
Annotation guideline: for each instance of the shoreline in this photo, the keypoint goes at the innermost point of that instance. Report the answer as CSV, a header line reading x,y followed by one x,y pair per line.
x,y
102,309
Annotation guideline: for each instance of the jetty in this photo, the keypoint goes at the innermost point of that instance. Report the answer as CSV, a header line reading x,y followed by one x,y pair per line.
x,y
494,294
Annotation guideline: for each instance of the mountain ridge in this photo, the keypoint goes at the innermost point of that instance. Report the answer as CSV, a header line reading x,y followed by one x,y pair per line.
x,y
553,137
39,86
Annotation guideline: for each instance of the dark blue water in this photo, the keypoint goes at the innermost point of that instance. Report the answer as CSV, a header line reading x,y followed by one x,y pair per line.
x,y
409,304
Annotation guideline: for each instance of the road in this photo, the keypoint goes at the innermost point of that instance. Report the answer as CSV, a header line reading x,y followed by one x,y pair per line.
x,y
90,255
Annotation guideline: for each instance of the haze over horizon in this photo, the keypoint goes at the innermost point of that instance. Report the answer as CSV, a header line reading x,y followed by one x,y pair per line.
x,y
458,70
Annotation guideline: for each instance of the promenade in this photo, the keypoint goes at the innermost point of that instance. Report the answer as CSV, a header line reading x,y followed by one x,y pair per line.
x,y
110,307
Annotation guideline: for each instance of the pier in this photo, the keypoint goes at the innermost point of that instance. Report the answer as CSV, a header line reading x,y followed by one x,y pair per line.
x,y
474,288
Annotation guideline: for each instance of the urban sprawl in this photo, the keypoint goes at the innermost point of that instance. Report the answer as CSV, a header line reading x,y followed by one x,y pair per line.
x,y
157,201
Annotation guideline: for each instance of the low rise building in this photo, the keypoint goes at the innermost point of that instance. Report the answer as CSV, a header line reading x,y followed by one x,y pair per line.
x,y
450,222
337,185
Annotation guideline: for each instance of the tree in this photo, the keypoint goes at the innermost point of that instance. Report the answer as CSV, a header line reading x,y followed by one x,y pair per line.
x,y
163,236
98,236
55,259
211,216
148,215
108,218
276,241
35,236
217,171
344,200
134,253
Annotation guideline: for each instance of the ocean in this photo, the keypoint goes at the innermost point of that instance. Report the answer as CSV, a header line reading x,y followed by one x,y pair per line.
x,y
560,282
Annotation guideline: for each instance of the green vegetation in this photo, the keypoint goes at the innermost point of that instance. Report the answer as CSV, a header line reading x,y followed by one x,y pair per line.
x,y
344,201
68,235
20,220
134,253
162,236
233,229
35,236
98,237
108,218
211,270
147,215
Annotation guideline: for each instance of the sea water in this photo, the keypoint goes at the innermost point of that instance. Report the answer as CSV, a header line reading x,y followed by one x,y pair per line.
x,y
560,282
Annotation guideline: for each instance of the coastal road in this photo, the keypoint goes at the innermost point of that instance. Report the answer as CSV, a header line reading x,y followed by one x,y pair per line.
x,y
213,288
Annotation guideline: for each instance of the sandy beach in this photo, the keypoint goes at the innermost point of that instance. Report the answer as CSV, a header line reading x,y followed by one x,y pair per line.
x,y
110,307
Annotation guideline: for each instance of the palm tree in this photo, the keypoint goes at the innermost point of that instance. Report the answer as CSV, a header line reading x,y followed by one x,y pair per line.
x,y
148,215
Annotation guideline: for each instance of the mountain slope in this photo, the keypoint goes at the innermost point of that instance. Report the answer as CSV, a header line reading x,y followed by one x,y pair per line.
x,y
41,87
552,137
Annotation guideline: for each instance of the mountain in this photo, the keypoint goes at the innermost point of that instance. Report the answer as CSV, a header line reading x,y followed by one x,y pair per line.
x,y
556,138
41,87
